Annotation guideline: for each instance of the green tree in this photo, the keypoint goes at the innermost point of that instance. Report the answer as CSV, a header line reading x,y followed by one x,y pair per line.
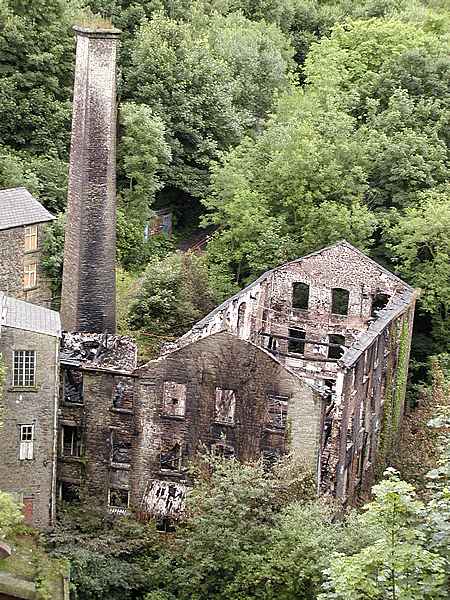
x,y
10,515
143,154
398,565
419,241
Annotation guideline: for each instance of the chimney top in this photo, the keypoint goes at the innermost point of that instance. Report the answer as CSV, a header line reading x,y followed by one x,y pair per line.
x,y
97,32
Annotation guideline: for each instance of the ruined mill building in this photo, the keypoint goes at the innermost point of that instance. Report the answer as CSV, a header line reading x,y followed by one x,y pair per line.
x,y
311,358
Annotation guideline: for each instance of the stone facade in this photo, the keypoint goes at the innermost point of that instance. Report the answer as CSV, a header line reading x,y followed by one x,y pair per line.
x,y
88,289
338,319
96,428
225,395
27,438
13,260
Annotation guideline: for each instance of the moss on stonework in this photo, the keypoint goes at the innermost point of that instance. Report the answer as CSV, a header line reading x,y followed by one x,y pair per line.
x,y
30,563
394,393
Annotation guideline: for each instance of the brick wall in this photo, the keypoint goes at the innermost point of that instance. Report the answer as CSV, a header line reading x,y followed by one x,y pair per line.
x,y
30,478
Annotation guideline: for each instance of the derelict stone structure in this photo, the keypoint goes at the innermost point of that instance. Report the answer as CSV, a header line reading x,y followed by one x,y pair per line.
x,y
88,290
96,424
23,221
29,345
338,319
224,395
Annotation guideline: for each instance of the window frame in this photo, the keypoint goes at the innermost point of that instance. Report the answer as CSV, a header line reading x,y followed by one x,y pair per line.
x,y
26,446
31,233
30,275
74,446
332,349
230,419
301,341
21,382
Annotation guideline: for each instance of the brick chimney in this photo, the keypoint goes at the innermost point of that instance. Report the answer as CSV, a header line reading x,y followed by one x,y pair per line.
x,y
88,300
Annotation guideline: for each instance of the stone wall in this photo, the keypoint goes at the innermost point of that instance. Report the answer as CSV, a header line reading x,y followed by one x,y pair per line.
x,y
263,312
88,289
33,479
13,258
95,471
261,386
366,413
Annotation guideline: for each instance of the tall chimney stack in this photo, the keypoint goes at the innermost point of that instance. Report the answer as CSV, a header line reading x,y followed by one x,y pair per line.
x,y
88,301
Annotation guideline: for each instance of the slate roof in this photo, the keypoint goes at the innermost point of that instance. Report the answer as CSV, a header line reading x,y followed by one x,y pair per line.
x,y
18,207
29,317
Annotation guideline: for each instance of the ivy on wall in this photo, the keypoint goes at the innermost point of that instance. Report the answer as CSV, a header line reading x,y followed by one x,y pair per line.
x,y
2,383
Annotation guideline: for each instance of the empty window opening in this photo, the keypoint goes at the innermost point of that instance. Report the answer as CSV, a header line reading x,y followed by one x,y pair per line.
x,y
241,318
225,405
24,374
300,295
270,456
223,450
31,238
73,386
165,525
123,393
339,301
118,499
277,408
120,448
174,399
296,343
29,276
172,460
71,441
379,301
335,350
329,385
26,450
69,492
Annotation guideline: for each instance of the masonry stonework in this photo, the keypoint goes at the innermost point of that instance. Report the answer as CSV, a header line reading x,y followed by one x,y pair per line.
x,y
88,289
31,480
13,260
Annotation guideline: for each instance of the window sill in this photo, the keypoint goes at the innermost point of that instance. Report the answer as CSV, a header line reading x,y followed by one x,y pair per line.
x,y
177,474
225,423
124,411
18,388
173,417
72,459
76,404
280,430
34,251
31,289
121,466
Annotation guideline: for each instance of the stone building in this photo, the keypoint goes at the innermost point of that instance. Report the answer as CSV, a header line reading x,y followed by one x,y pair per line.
x,y
22,227
29,344
221,394
96,418
338,319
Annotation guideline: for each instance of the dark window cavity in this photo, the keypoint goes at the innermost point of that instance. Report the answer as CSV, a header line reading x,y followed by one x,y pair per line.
x,y
300,295
334,350
241,318
71,443
379,301
339,301
277,407
120,448
69,492
296,343
123,393
73,386
172,459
